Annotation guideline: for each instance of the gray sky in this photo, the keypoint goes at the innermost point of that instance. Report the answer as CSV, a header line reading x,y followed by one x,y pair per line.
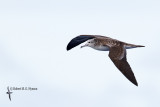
x,y
33,39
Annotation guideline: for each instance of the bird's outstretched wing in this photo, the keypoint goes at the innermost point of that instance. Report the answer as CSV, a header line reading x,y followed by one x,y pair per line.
x,y
78,40
118,56
8,89
10,97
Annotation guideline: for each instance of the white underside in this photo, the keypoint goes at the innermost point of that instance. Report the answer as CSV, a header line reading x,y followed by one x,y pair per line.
x,y
105,48
101,48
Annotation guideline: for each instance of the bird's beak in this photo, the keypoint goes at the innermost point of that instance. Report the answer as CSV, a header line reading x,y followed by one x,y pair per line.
x,y
84,45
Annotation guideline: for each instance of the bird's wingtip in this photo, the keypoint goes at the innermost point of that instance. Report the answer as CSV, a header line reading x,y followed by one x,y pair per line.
x,y
68,48
135,83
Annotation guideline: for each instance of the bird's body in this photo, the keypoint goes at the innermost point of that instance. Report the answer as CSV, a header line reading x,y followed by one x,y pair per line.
x,y
101,48
116,48
102,43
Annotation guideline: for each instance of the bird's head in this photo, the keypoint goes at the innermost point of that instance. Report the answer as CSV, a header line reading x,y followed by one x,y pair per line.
x,y
89,43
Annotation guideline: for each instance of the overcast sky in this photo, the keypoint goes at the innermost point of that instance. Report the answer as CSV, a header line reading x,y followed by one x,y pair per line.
x,y
33,39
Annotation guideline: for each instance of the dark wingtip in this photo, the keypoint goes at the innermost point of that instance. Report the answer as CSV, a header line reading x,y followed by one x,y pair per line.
x,y
134,82
78,40
68,48
70,45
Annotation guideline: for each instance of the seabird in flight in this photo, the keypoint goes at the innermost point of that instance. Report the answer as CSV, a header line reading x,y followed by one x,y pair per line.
x,y
116,48
9,93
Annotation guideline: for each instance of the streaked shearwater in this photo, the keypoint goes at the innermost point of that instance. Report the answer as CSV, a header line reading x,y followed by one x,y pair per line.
x,y
116,48
9,93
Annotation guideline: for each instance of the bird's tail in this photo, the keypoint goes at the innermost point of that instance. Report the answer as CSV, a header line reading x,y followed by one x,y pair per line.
x,y
129,46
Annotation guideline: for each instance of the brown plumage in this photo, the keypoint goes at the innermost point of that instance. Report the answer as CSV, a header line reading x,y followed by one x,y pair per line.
x,y
116,48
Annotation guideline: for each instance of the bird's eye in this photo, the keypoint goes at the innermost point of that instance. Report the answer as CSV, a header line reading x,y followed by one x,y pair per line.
x,y
89,42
